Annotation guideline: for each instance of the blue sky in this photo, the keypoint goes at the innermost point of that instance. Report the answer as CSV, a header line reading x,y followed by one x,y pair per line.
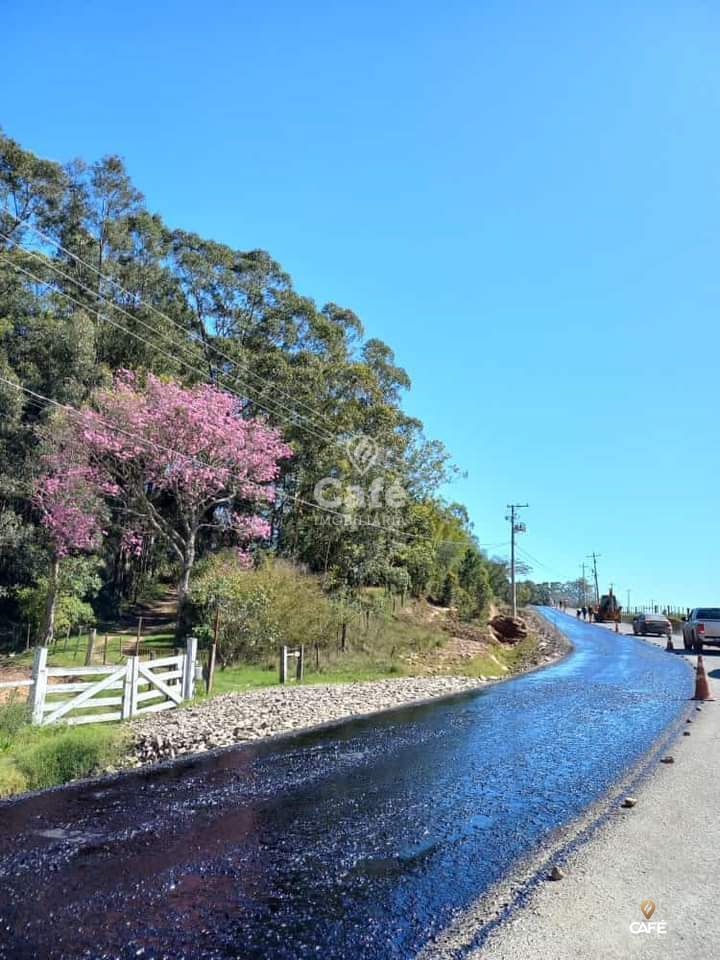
x,y
520,198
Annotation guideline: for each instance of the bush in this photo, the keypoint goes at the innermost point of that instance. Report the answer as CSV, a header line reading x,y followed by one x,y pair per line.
x,y
261,608
13,717
57,754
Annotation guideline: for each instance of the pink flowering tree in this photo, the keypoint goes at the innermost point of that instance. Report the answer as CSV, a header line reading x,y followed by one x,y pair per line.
x,y
69,498
179,463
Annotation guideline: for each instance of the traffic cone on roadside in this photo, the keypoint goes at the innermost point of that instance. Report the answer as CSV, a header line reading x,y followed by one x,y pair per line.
x,y
669,648
702,688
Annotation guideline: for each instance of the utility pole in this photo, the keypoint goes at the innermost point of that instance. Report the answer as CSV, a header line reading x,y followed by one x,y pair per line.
x,y
628,603
515,527
594,557
583,598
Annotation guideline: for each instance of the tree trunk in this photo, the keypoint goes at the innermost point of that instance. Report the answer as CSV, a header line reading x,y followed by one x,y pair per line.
x,y
184,624
51,605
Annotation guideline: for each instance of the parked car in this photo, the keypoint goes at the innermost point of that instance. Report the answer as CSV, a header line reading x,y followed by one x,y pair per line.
x,y
645,624
701,627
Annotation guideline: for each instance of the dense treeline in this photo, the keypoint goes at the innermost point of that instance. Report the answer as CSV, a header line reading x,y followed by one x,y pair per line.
x,y
92,282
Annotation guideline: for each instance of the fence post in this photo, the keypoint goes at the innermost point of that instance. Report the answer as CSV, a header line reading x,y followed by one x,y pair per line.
x,y
37,690
283,664
130,688
301,663
188,679
90,647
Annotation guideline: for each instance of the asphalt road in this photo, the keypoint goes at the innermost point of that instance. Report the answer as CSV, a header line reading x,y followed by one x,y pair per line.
x,y
664,849
365,840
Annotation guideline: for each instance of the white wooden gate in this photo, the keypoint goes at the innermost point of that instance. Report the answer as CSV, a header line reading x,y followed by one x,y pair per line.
x,y
128,690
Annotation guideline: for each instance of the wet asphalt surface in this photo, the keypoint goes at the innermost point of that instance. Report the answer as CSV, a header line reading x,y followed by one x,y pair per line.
x,y
357,841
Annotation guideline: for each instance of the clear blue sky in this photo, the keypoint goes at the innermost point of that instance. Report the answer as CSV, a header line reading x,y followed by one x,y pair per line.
x,y
520,198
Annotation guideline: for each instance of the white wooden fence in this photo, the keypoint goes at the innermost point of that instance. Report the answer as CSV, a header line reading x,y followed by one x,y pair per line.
x,y
130,689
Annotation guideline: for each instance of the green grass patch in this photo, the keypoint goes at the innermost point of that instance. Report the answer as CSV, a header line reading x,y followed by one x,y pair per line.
x,y
499,655
119,646
34,757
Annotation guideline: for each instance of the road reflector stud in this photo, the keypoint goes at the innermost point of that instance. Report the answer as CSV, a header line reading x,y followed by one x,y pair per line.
x,y
629,802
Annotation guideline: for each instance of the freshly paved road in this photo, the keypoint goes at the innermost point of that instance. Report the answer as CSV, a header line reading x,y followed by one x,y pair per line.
x,y
362,841
664,849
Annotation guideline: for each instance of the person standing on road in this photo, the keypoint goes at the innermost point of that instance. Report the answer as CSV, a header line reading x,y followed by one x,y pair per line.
x,y
579,611
584,613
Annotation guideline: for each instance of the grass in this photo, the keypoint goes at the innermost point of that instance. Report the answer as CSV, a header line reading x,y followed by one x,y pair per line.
x,y
499,655
71,653
380,653
34,757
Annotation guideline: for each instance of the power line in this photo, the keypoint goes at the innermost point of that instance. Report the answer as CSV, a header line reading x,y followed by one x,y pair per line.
x,y
154,346
154,309
73,411
193,334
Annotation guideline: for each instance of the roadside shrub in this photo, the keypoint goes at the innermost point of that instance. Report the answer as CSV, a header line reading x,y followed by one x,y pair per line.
x,y
13,717
59,754
260,609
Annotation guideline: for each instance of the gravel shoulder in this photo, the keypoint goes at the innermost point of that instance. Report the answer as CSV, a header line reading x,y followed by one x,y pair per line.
x,y
664,849
240,717
235,718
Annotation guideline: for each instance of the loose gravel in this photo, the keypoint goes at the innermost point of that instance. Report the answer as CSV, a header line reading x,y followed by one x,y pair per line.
x,y
238,717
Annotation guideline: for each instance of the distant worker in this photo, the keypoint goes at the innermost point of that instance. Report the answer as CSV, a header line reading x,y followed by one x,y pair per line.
x,y
591,611
584,613
579,612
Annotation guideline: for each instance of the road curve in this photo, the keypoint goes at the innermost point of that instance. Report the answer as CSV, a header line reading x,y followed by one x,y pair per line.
x,y
362,840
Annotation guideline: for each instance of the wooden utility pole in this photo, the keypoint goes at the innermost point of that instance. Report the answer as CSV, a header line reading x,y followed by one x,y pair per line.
x,y
213,651
515,527
595,557
139,635
90,647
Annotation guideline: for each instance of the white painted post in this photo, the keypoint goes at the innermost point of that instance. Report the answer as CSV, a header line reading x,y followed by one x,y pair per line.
x,y
135,680
127,693
283,664
188,679
37,690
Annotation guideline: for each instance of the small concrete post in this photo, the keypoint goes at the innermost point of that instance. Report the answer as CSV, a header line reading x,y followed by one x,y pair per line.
x,y
283,664
37,690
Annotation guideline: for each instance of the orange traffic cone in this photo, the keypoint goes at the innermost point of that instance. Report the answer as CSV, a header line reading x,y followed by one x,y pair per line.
x,y
669,646
702,688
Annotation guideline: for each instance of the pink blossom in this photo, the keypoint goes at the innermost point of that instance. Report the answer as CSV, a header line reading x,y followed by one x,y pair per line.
x,y
174,459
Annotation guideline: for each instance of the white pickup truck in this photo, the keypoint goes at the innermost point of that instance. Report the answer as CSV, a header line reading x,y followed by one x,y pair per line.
x,y
701,627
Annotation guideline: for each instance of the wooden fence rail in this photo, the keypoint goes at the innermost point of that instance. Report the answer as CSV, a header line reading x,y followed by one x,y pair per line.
x,y
119,691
